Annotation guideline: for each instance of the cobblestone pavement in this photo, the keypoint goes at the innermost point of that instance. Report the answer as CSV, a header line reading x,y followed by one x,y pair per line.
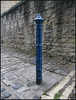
x,y
65,88
18,75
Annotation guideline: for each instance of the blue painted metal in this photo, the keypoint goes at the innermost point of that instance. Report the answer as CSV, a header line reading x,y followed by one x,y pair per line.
x,y
38,21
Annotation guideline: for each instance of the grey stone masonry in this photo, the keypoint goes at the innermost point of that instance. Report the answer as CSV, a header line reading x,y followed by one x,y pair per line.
x,y
20,83
18,29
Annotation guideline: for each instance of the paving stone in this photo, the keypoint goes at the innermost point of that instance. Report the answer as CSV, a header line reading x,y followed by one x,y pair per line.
x,y
34,98
6,82
47,84
32,78
46,66
30,84
44,62
35,87
4,69
56,76
58,71
64,73
17,98
22,79
24,59
63,68
27,64
17,86
29,94
2,97
51,70
46,77
53,66
46,73
38,93
2,89
9,74
7,94
4,72
12,78
32,62
68,71
23,89
56,67
18,73
15,81
2,77
71,68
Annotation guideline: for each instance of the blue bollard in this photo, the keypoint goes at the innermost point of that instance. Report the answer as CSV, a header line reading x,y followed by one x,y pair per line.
x,y
38,21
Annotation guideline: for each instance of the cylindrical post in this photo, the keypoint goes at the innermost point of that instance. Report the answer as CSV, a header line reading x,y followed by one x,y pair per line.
x,y
38,21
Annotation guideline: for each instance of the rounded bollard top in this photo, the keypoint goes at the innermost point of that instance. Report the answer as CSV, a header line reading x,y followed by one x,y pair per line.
x,y
38,18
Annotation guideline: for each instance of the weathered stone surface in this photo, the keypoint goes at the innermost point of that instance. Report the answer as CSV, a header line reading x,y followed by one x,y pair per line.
x,y
2,97
7,94
29,89
58,28
6,82
30,84
51,70
32,62
15,81
29,94
38,93
22,79
2,77
56,76
35,87
35,98
47,84
58,71
18,73
24,88
17,98
67,70
63,68
2,89
64,73
17,86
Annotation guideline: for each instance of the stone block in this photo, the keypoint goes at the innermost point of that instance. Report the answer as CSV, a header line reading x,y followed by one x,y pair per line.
x,y
38,93
46,85
56,76
2,97
64,73
17,86
18,98
24,88
7,82
51,70
58,71
2,89
22,79
7,94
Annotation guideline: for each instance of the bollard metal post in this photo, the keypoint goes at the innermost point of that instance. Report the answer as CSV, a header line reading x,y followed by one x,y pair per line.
x,y
38,21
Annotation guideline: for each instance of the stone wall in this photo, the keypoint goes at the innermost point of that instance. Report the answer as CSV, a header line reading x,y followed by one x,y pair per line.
x,y
18,29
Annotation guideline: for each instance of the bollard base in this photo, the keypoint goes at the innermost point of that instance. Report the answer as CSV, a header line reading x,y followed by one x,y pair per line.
x,y
38,81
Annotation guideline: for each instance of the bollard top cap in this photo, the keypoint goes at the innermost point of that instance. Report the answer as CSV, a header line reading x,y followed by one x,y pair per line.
x,y
38,18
